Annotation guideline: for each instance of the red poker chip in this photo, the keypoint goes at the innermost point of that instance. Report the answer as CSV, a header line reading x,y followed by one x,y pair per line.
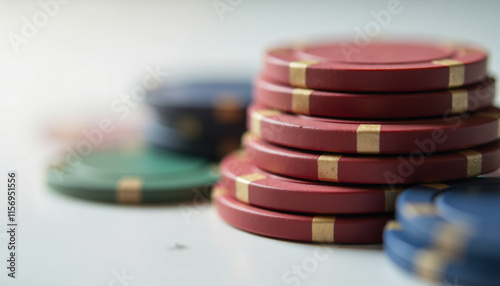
x,y
251,185
380,66
375,137
321,228
417,167
374,105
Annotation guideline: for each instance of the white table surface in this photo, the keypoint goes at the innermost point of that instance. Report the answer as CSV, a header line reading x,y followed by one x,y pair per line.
x,y
89,53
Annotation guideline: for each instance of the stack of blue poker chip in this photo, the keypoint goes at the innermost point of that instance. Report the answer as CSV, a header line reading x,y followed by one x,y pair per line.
x,y
203,118
448,232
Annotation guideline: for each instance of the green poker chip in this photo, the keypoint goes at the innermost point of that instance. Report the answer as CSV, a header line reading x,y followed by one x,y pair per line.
x,y
143,175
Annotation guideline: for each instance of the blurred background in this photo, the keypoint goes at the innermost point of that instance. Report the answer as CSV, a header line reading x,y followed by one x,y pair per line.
x,y
70,68
88,54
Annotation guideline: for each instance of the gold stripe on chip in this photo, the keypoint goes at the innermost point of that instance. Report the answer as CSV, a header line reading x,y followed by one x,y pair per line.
x,y
412,210
437,186
474,162
323,229
58,165
328,168
218,191
300,100
450,45
129,190
279,50
493,115
393,225
297,72
459,100
241,155
255,124
190,127
242,183
228,108
249,136
451,238
299,44
391,194
430,264
131,146
368,138
457,71
488,114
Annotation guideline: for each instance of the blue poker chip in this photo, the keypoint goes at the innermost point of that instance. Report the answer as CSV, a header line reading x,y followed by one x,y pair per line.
x,y
471,205
208,95
171,139
424,260
203,109
449,216
194,127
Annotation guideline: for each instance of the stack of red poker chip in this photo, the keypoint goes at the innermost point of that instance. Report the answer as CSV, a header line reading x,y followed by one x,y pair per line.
x,y
336,131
